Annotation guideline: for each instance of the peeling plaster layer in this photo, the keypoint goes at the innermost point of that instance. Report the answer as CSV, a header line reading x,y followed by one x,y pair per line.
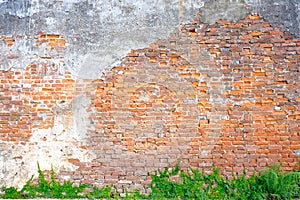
x,y
100,33
18,162
282,13
214,10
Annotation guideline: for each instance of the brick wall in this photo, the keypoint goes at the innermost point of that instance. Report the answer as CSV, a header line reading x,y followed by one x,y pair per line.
x,y
225,95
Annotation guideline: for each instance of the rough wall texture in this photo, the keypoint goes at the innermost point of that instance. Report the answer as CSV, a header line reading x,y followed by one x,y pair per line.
x,y
100,33
225,94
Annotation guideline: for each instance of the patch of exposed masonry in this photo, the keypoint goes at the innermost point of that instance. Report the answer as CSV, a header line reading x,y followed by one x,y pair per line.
x,y
100,33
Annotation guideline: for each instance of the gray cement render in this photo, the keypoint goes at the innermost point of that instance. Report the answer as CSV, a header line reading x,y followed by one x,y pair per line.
x,y
99,33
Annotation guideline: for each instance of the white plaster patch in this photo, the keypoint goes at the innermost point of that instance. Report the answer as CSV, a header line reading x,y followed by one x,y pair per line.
x,y
50,21
204,152
296,152
50,147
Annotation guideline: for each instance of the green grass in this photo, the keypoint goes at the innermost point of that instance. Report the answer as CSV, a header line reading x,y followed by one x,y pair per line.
x,y
54,189
269,183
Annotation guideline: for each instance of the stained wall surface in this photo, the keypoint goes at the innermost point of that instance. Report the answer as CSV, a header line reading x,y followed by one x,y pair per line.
x,y
222,92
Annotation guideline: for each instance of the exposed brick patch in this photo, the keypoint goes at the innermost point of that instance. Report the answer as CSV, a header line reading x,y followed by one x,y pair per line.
x,y
28,101
228,93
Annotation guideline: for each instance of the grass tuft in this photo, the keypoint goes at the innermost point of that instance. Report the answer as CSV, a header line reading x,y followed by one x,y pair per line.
x,y
269,183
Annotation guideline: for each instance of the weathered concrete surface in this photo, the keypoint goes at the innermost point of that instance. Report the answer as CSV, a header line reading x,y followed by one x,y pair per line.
x,y
214,10
50,147
282,13
100,33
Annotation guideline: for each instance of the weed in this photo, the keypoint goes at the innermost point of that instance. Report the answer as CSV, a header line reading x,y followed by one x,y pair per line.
x,y
54,189
278,184
270,183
